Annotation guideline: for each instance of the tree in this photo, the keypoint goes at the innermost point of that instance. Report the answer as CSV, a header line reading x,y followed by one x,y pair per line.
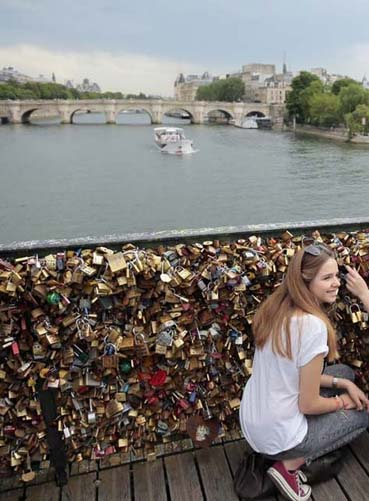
x,y
7,92
339,84
296,101
315,88
324,109
351,96
361,118
206,93
228,90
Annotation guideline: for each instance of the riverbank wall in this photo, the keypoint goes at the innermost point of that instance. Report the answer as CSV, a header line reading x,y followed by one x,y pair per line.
x,y
337,134
136,335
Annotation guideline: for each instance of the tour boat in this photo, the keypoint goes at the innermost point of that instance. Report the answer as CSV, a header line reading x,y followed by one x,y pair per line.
x,y
254,122
173,141
247,123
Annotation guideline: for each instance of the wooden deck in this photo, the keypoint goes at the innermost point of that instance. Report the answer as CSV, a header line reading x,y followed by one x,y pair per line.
x,y
180,475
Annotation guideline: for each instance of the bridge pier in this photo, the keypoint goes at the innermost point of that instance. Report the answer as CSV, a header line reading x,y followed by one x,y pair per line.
x,y
110,116
15,115
65,115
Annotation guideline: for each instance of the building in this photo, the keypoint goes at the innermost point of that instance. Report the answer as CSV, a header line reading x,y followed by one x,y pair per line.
x,y
185,88
264,85
10,73
325,77
255,74
87,86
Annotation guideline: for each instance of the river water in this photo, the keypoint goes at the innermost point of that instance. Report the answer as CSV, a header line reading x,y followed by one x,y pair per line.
x,y
65,181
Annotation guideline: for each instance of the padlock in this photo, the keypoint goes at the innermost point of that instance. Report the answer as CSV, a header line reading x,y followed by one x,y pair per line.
x,y
355,313
91,415
141,347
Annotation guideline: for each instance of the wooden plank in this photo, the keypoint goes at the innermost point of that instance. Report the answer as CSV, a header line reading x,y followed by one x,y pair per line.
x,y
360,447
215,474
15,495
80,488
114,484
85,466
235,452
183,480
13,482
46,492
326,491
353,479
149,481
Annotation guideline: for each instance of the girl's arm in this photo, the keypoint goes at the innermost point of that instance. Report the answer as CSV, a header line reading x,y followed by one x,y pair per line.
x,y
357,286
310,402
327,382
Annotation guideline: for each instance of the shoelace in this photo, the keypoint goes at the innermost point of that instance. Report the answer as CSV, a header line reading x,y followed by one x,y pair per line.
x,y
300,476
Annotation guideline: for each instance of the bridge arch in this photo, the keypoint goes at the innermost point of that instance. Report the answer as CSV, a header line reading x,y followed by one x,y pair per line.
x,y
219,115
177,112
26,115
86,110
122,109
255,113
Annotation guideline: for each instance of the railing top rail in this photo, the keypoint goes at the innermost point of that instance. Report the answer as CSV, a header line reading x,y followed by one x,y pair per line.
x,y
172,236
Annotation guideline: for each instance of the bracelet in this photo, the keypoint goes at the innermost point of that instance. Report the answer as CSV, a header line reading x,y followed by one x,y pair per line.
x,y
339,403
335,382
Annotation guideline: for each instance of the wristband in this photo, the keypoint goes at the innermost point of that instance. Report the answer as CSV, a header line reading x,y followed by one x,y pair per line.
x,y
339,403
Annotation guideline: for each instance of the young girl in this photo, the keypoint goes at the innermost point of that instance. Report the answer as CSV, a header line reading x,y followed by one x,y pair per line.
x,y
284,413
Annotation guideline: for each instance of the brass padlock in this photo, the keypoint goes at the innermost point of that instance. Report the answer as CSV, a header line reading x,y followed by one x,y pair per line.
x,y
355,313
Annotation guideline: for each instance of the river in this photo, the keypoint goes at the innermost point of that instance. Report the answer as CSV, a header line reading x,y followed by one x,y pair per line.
x,y
65,181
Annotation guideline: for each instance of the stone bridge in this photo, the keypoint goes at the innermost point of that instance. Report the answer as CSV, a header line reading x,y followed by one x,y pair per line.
x,y
18,112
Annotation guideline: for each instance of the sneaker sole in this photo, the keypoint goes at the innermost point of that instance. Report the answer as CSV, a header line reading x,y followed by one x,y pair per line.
x,y
284,487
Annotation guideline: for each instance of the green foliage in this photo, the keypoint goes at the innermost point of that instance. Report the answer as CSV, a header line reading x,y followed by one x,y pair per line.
x,y
7,92
298,98
324,109
35,90
351,96
358,121
306,95
228,90
339,84
141,95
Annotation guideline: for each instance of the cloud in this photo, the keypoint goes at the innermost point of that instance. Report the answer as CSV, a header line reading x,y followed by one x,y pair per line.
x,y
352,61
129,73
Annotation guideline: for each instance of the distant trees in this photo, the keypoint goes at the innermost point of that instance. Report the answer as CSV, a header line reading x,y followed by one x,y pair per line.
x,y
297,98
229,89
345,102
35,90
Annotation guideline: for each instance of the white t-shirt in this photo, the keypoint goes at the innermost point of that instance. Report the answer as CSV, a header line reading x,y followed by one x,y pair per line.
x,y
269,414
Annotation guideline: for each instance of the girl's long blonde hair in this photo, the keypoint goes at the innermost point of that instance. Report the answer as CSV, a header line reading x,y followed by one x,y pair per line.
x,y
290,298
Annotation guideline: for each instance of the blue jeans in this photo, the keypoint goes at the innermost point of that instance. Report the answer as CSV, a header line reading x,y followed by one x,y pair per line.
x,y
327,432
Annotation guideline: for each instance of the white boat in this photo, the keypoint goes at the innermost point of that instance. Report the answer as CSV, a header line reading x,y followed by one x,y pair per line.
x,y
173,141
247,123
253,122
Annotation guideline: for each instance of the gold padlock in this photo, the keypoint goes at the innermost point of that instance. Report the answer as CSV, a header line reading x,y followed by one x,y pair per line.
x,y
355,313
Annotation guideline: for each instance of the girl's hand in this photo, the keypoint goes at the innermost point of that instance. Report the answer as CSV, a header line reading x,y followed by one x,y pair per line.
x,y
355,283
348,403
356,397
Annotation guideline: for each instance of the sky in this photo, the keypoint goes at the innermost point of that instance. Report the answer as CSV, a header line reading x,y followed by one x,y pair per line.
x,y
141,45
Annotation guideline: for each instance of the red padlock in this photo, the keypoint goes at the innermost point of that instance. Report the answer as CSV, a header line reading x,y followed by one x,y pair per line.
x,y
15,348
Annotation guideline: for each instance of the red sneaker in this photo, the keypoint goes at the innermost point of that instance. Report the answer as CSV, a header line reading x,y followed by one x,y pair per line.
x,y
289,483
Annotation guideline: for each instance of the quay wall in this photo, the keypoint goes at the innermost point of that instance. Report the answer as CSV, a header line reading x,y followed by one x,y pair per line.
x,y
135,335
338,134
